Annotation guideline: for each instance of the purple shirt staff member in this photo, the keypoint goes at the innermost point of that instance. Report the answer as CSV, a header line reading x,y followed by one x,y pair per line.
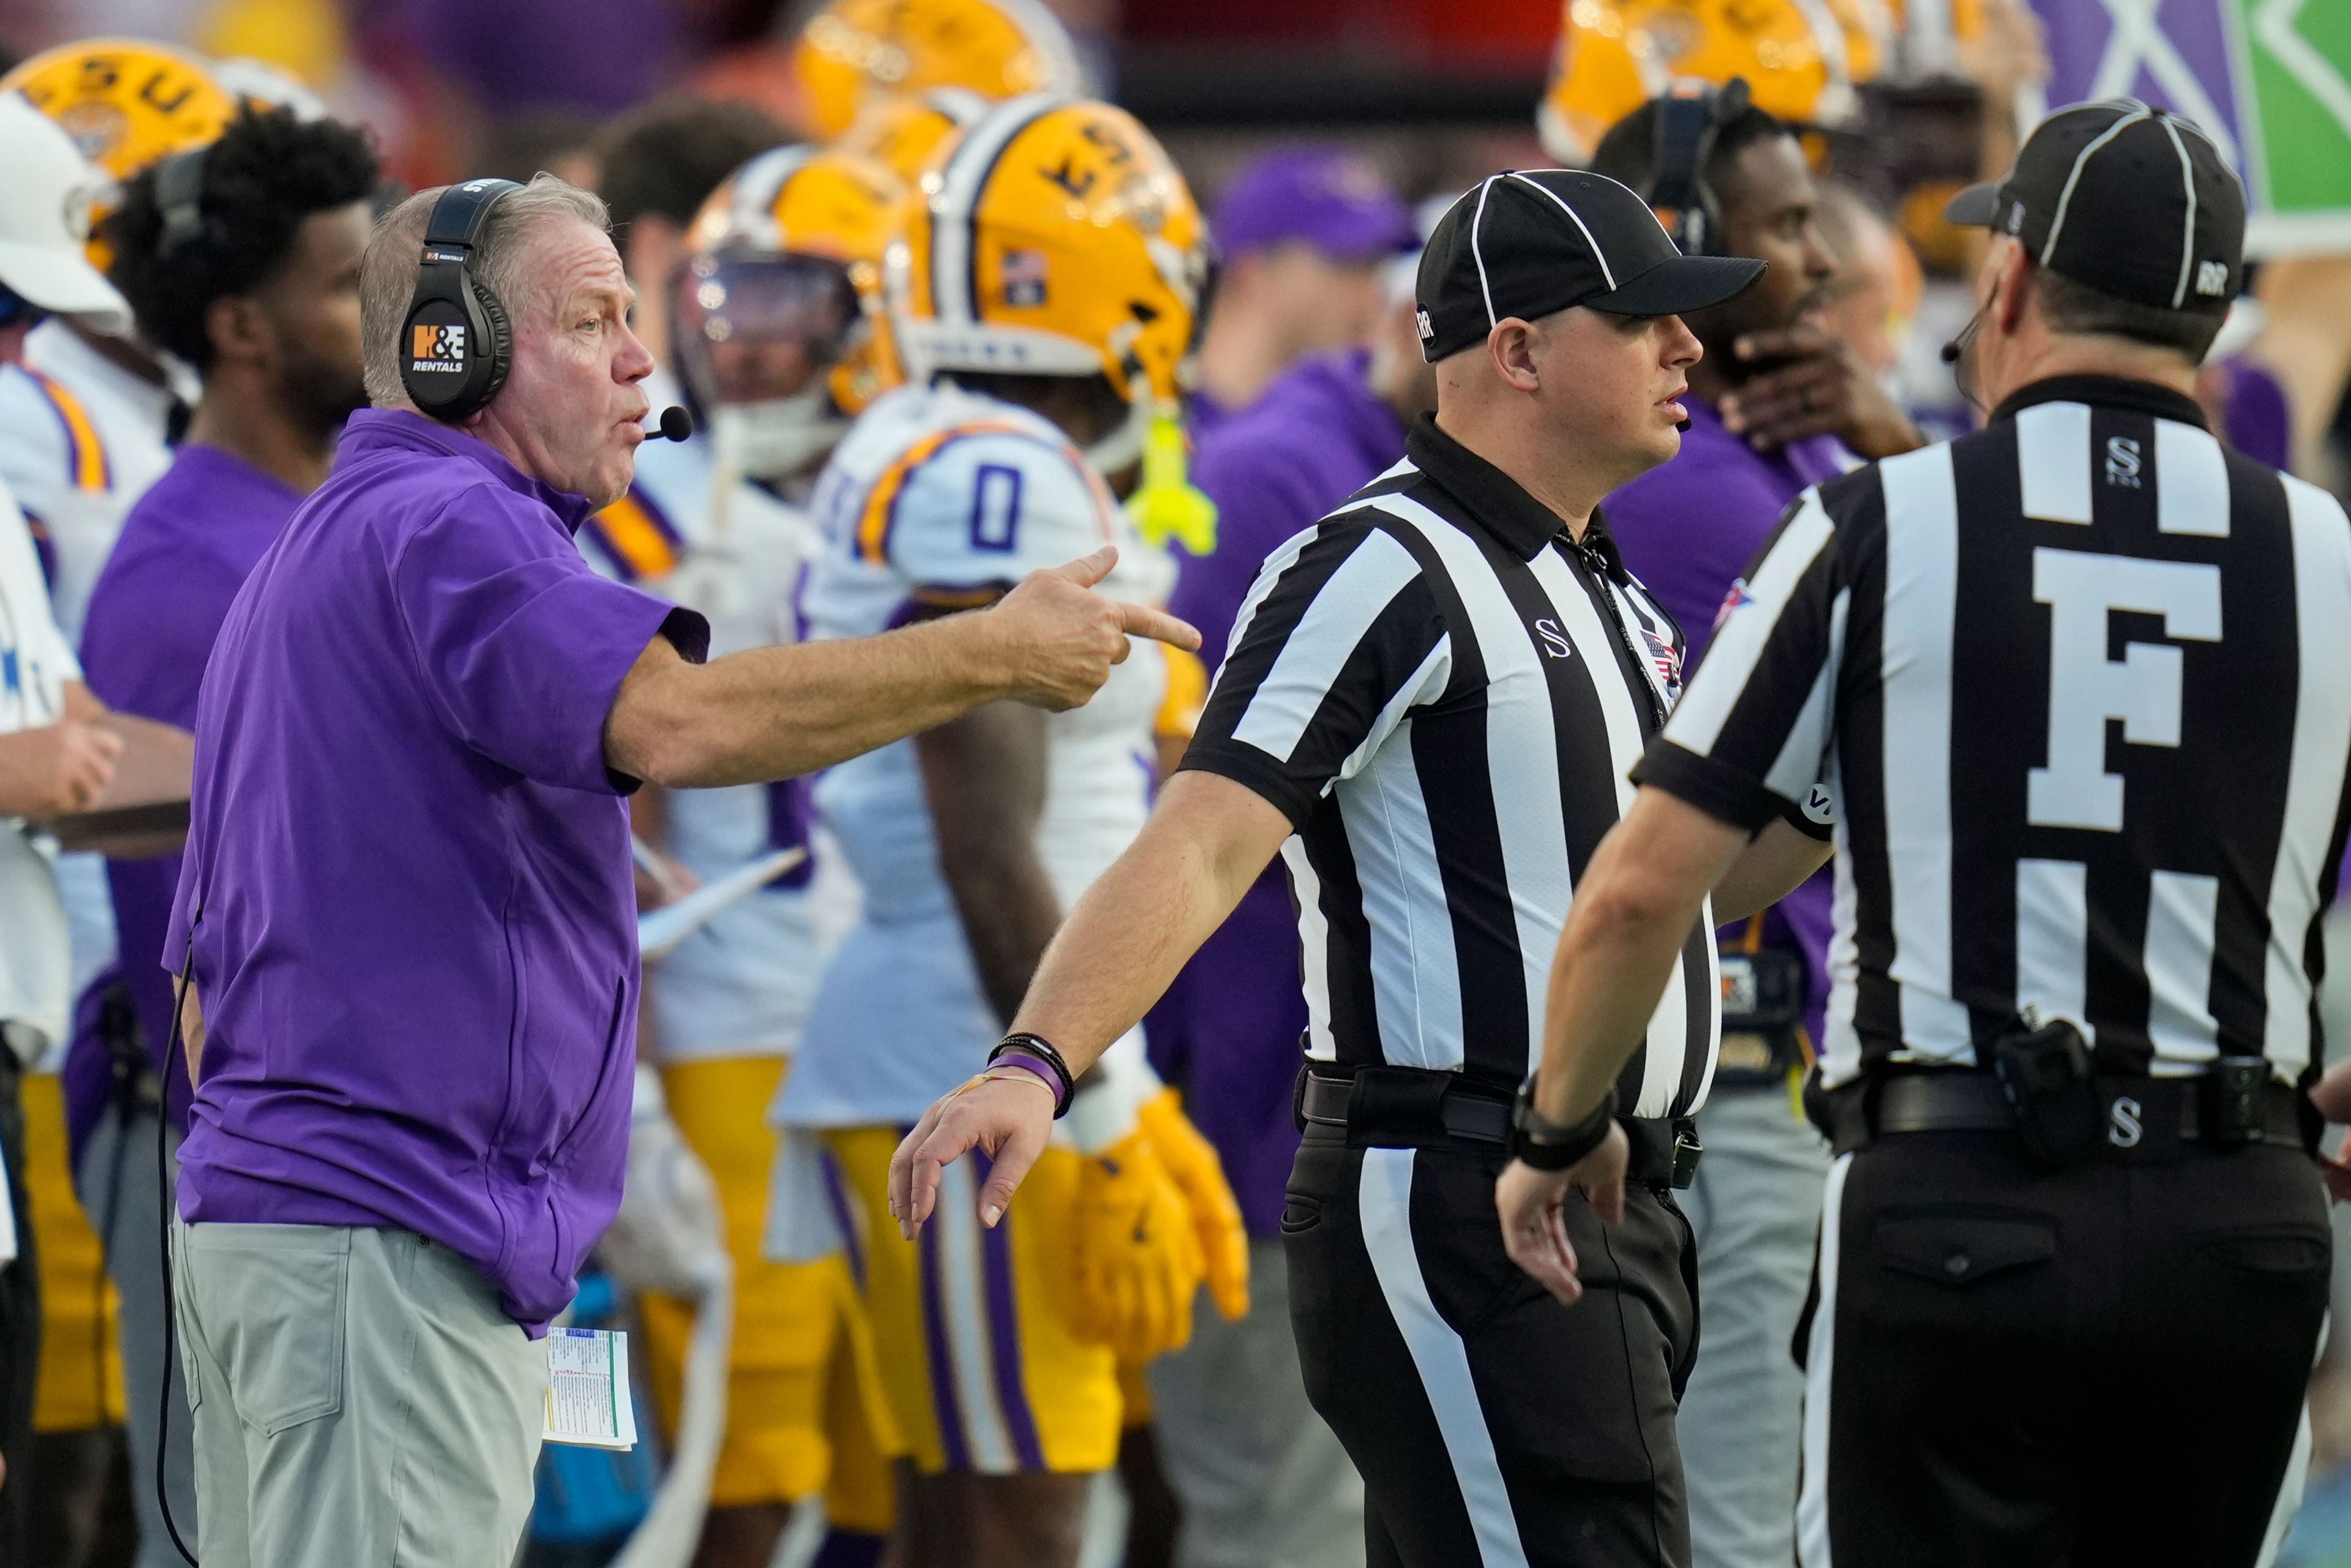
x,y
406,910
1305,233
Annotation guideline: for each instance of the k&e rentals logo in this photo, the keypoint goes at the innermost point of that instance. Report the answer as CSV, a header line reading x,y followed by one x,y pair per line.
x,y
438,348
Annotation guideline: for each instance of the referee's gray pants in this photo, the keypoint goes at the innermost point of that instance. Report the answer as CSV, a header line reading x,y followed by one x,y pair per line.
x,y
361,1400
1756,1211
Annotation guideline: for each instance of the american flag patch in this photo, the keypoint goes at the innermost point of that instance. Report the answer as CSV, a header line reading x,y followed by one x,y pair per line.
x,y
1669,663
1732,601
1024,279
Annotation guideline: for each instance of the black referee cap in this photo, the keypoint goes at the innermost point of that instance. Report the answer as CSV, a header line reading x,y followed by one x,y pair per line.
x,y
1530,242
2133,201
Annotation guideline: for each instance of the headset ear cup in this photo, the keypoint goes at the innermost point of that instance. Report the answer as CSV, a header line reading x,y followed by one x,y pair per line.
x,y
498,335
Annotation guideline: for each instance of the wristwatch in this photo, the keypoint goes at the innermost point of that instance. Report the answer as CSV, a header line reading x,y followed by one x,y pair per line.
x,y
1549,1146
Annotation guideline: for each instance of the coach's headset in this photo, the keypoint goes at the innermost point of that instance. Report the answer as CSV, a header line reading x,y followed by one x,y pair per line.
x,y
1690,115
456,344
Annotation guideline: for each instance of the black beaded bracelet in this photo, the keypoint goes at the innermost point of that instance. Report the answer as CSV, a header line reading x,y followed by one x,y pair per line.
x,y
1029,1050
1549,1146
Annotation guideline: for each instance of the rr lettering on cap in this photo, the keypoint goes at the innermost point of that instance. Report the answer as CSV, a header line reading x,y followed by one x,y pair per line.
x,y
1420,319
2212,278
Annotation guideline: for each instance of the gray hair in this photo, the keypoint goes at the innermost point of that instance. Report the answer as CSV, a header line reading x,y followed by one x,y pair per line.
x,y
388,270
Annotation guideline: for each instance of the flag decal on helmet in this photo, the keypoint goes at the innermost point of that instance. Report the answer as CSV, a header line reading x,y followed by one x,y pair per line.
x,y
1024,279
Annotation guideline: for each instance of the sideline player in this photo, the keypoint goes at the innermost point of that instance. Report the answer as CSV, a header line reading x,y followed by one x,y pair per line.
x,y
83,427
51,760
1043,299
772,346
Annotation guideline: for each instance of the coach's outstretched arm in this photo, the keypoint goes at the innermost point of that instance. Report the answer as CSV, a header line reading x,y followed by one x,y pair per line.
x,y
1207,841
771,713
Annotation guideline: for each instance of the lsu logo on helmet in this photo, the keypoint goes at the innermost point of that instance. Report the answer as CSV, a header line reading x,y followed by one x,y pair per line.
x,y
126,103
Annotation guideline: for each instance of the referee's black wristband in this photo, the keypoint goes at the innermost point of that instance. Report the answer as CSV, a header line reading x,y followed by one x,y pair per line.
x,y
1031,1050
1549,1146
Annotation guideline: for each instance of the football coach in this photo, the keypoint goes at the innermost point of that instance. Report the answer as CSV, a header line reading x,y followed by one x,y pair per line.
x,y
405,928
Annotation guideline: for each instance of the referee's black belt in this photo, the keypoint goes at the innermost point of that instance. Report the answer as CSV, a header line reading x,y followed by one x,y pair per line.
x,y
2149,1114
1418,1107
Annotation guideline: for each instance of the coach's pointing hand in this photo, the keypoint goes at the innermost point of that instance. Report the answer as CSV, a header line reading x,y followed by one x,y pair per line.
x,y
1064,637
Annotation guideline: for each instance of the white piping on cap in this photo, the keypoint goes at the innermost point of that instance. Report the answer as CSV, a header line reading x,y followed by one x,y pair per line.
x,y
2065,197
2188,232
1638,197
1573,217
1478,254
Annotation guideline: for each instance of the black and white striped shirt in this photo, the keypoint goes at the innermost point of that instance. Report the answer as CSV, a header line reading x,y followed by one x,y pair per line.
x,y
1444,693
2082,680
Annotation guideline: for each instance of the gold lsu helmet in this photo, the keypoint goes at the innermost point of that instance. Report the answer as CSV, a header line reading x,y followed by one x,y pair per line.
x,y
853,51
1055,238
126,103
903,130
1800,58
788,249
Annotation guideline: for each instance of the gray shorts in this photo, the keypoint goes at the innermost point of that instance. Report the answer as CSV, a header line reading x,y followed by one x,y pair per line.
x,y
360,1399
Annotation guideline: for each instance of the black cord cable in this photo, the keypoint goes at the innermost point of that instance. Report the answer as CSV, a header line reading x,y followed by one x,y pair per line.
x,y
175,1051
125,1095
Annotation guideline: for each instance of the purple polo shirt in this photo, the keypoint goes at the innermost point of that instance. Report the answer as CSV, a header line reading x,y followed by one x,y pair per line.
x,y
407,884
1230,1025
185,549
1689,529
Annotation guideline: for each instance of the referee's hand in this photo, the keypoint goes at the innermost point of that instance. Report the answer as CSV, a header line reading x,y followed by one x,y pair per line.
x,y
1534,1231
1008,1116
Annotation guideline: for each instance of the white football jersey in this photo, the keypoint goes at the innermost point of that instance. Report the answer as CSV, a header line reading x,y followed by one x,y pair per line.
x,y
80,440
36,664
941,497
741,985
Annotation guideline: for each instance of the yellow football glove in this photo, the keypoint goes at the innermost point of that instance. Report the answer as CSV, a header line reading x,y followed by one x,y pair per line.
x,y
1192,1164
1136,1255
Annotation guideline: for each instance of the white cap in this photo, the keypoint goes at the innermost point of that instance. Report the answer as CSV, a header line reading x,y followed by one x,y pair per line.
x,y
45,207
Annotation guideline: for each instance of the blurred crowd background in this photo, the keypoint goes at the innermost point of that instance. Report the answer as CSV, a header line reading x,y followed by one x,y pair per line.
x,y
1908,100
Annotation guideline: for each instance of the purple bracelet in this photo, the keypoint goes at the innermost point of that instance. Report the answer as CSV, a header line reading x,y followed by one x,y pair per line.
x,y
1045,1072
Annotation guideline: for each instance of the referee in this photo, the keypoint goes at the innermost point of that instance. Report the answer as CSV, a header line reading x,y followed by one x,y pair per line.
x,y
2081,680
1431,702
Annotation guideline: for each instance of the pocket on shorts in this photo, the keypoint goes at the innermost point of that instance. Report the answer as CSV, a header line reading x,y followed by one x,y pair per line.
x,y
271,1301
2282,1255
